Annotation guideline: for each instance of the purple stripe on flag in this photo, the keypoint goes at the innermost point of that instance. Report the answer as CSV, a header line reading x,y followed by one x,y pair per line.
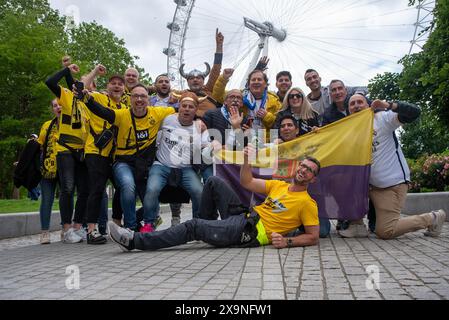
x,y
341,192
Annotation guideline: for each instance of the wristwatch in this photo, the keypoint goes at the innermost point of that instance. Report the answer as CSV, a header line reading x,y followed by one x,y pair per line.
x,y
289,242
390,106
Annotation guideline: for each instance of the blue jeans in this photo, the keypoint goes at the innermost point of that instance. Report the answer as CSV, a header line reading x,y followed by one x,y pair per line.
x,y
325,228
207,172
157,180
124,178
103,218
48,187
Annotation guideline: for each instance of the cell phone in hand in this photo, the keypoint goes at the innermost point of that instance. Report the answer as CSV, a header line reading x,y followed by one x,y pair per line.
x,y
79,88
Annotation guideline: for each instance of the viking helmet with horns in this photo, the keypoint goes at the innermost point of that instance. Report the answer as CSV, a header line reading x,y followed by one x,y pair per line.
x,y
195,72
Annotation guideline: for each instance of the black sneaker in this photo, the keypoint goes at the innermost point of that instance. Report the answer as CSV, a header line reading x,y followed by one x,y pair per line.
x,y
95,238
123,237
102,229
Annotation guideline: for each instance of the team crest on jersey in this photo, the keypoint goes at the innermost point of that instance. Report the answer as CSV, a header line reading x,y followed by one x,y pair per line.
x,y
152,121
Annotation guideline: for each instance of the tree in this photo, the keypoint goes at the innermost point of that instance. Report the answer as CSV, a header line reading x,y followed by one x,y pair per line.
x,y
91,44
30,48
33,38
425,82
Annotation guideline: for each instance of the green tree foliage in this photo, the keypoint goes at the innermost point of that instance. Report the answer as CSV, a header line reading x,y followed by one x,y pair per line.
x,y
91,44
425,82
33,39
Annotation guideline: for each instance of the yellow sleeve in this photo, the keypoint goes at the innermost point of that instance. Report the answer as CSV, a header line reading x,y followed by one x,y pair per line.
x,y
309,214
43,133
65,100
274,105
219,91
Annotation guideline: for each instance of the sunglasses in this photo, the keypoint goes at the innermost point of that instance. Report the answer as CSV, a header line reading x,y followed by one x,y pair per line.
x,y
295,95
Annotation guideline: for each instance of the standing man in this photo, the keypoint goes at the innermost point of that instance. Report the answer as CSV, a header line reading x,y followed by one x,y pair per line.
x,y
72,170
162,98
283,83
131,80
390,174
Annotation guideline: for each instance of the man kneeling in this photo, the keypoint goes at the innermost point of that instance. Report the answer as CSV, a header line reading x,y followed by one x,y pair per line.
x,y
286,207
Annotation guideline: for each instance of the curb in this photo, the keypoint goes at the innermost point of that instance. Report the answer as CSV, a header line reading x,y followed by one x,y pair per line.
x,y
16,225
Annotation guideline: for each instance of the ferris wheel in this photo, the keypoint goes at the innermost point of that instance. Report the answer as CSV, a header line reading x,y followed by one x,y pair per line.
x,y
345,39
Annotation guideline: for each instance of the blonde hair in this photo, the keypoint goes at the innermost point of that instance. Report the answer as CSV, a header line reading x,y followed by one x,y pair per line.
x,y
306,111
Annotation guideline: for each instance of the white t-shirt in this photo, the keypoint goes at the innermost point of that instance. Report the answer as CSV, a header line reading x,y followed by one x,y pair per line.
x,y
389,166
177,144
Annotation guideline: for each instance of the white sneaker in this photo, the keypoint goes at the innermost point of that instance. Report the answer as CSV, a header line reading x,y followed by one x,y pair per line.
x,y
354,231
438,221
45,237
82,233
70,236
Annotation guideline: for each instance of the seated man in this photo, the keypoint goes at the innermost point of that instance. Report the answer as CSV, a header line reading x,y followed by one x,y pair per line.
x,y
286,207
179,139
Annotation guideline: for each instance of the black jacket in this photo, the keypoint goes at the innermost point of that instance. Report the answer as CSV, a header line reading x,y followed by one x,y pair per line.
x,y
332,114
27,172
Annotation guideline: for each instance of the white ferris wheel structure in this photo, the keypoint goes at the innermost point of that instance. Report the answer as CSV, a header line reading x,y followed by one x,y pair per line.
x,y
343,39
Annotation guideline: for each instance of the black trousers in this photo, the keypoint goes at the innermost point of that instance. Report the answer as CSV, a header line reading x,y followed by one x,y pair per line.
x,y
217,195
72,173
98,170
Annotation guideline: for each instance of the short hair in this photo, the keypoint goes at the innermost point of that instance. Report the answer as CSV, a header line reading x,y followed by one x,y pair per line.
x,y
289,116
162,75
284,74
314,160
309,71
140,85
265,77
335,81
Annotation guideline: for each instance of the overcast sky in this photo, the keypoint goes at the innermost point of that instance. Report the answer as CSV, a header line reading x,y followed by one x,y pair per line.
x,y
321,34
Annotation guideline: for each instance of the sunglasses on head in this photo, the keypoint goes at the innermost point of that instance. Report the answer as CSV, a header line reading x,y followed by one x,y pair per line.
x,y
295,95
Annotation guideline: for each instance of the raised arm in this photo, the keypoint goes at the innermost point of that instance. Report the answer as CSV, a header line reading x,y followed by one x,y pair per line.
x,y
216,68
99,70
246,175
407,112
53,81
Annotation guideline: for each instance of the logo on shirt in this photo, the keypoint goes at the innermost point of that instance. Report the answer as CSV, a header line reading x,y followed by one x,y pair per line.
x,y
275,205
142,135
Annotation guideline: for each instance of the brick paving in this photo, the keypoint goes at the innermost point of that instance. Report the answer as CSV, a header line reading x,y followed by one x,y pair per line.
x,y
409,268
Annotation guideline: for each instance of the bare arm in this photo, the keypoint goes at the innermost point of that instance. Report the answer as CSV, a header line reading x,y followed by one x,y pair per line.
x,y
309,238
99,70
246,175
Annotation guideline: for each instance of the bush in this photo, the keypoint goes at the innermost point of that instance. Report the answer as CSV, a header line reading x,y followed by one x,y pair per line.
x,y
430,173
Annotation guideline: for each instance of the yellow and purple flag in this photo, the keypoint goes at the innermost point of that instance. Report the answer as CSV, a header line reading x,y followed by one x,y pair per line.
x,y
344,151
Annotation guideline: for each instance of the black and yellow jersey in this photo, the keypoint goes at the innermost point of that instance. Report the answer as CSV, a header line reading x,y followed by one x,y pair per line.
x,y
73,127
147,128
97,124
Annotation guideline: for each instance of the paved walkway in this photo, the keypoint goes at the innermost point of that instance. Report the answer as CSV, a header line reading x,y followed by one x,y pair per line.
x,y
411,267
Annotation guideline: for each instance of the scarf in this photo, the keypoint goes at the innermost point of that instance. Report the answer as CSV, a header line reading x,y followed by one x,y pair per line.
x,y
250,102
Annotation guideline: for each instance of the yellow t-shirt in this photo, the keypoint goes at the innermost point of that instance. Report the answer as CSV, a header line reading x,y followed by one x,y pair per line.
x,y
283,211
73,127
49,167
98,124
126,98
147,128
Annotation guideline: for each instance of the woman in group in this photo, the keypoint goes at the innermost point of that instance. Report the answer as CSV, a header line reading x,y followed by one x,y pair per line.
x,y
47,139
296,104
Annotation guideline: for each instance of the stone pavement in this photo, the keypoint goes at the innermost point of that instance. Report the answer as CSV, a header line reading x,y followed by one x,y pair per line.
x,y
411,267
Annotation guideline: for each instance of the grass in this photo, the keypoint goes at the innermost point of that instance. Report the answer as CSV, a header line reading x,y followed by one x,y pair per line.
x,y
26,205
23,205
